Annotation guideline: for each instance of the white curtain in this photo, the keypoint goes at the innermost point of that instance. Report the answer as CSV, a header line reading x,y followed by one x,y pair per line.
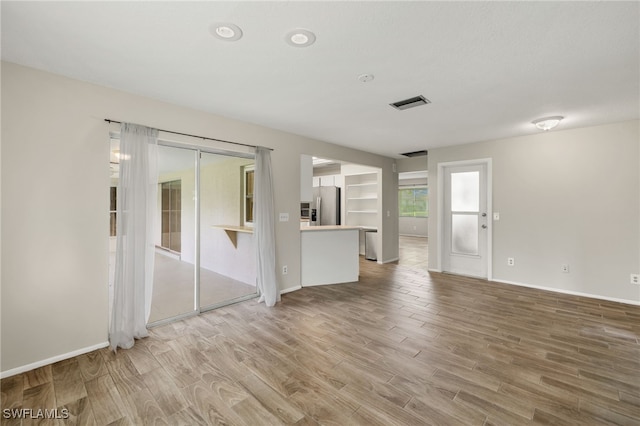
x,y
264,229
135,249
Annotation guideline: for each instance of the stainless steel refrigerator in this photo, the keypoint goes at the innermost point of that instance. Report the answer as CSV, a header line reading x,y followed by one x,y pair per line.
x,y
325,206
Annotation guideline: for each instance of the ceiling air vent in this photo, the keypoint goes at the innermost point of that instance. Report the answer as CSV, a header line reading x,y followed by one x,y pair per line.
x,y
415,153
410,103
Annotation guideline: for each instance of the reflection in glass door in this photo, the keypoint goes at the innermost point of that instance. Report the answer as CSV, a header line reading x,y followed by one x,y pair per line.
x,y
227,255
171,194
174,281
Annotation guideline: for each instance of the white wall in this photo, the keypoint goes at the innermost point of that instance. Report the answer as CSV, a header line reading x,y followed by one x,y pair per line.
x,y
221,204
412,164
55,179
413,226
565,196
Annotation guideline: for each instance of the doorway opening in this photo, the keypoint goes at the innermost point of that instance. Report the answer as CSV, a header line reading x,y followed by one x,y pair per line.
x,y
413,217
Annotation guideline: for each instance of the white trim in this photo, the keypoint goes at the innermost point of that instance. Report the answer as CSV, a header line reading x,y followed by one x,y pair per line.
x,y
38,364
570,292
488,162
395,259
439,271
290,289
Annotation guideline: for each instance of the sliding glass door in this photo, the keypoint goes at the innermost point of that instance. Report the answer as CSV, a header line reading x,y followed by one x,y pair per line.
x,y
174,278
204,244
227,255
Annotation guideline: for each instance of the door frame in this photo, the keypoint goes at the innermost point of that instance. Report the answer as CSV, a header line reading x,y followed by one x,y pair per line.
x,y
488,163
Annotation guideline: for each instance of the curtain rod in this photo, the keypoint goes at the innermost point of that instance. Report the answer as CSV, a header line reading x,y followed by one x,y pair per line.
x,y
196,136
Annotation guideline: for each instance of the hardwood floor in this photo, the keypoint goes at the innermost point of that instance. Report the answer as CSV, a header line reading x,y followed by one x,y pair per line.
x,y
399,347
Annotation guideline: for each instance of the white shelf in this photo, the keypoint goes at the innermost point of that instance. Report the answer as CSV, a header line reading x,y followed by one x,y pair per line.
x,y
362,201
362,184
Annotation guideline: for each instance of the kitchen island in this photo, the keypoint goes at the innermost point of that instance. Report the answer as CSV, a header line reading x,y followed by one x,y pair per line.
x,y
329,254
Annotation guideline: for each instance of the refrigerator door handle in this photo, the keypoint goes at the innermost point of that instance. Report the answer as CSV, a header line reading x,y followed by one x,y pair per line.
x,y
319,211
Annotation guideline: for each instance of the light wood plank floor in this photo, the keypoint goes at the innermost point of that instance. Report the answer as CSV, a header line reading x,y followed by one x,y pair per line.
x,y
399,347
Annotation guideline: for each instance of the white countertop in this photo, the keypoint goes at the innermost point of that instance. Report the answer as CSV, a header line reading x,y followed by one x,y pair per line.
x,y
304,228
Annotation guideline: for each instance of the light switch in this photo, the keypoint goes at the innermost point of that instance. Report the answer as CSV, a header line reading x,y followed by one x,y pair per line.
x,y
496,216
284,217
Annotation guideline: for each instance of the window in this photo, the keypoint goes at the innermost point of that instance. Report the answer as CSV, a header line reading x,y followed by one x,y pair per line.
x,y
414,201
249,174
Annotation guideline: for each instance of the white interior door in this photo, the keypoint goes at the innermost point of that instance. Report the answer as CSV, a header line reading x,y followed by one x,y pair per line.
x,y
465,229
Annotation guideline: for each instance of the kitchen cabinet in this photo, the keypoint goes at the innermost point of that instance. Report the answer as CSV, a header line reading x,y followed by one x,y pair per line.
x,y
329,255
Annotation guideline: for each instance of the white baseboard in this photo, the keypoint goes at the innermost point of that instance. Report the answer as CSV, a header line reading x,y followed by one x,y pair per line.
x,y
557,290
395,259
572,293
38,364
290,289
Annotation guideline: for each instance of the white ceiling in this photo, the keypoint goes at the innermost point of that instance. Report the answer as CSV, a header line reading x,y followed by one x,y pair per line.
x,y
489,68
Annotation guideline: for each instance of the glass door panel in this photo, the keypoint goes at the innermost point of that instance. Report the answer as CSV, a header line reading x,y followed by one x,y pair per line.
x,y
227,255
175,257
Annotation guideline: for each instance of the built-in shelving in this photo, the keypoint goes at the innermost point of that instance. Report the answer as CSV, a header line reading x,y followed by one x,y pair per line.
x,y
362,200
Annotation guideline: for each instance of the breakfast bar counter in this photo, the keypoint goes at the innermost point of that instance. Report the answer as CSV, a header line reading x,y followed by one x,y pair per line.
x,y
329,254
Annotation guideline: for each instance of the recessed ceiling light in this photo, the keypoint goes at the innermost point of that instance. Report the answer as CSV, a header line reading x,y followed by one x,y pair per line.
x,y
300,38
365,78
547,123
226,31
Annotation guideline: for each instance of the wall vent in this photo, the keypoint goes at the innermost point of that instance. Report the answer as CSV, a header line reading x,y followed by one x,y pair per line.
x,y
411,103
415,153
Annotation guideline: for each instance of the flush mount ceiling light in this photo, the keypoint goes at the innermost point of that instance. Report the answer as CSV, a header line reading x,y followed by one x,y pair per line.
x,y
365,78
300,38
226,31
547,123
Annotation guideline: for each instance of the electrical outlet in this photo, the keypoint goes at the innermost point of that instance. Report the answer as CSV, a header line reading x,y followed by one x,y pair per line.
x,y
511,261
564,268
635,278
285,270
